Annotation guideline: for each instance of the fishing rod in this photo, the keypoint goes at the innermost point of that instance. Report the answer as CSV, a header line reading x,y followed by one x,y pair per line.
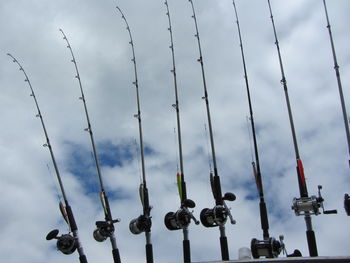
x,y
341,95
216,216
305,205
142,223
66,243
104,229
268,247
180,219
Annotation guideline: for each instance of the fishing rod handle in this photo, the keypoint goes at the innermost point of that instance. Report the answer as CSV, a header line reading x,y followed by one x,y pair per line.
x,y
186,250
116,255
149,253
224,248
83,259
311,241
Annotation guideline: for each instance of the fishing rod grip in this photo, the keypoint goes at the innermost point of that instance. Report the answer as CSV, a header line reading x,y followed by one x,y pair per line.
x,y
311,241
83,259
224,248
72,223
264,219
187,251
149,253
116,256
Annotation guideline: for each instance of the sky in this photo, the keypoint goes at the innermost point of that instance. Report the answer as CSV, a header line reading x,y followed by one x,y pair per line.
x,y
29,204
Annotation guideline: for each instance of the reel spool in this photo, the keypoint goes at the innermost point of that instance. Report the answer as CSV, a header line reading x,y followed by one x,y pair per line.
x,y
269,248
218,215
66,243
104,230
311,205
182,217
140,224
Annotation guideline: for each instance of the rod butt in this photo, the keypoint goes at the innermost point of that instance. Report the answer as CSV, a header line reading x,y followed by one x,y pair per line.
x,y
116,256
187,251
149,253
83,259
224,248
311,241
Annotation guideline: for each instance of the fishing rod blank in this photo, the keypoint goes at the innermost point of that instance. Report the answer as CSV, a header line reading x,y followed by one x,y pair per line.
x,y
180,219
218,215
341,95
268,247
305,205
66,243
104,229
142,223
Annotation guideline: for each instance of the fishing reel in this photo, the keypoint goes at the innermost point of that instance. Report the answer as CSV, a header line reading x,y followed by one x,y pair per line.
x,y
66,243
347,204
182,217
140,224
269,248
104,230
217,216
310,205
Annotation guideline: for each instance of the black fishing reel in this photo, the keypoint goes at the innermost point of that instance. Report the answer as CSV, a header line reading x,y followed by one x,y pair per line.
x,y
182,217
218,215
347,204
310,205
66,243
104,230
140,224
269,248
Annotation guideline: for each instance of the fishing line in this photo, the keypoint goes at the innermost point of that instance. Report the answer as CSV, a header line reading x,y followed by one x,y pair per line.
x,y
305,205
180,219
218,215
142,223
104,229
66,243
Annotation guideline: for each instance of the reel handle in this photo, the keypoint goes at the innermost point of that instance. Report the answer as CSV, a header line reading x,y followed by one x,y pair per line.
x,y
330,211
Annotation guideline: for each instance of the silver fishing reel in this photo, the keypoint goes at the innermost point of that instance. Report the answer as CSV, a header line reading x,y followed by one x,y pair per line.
x,y
218,215
104,230
66,243
182,217
269,248
140,224
310,205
